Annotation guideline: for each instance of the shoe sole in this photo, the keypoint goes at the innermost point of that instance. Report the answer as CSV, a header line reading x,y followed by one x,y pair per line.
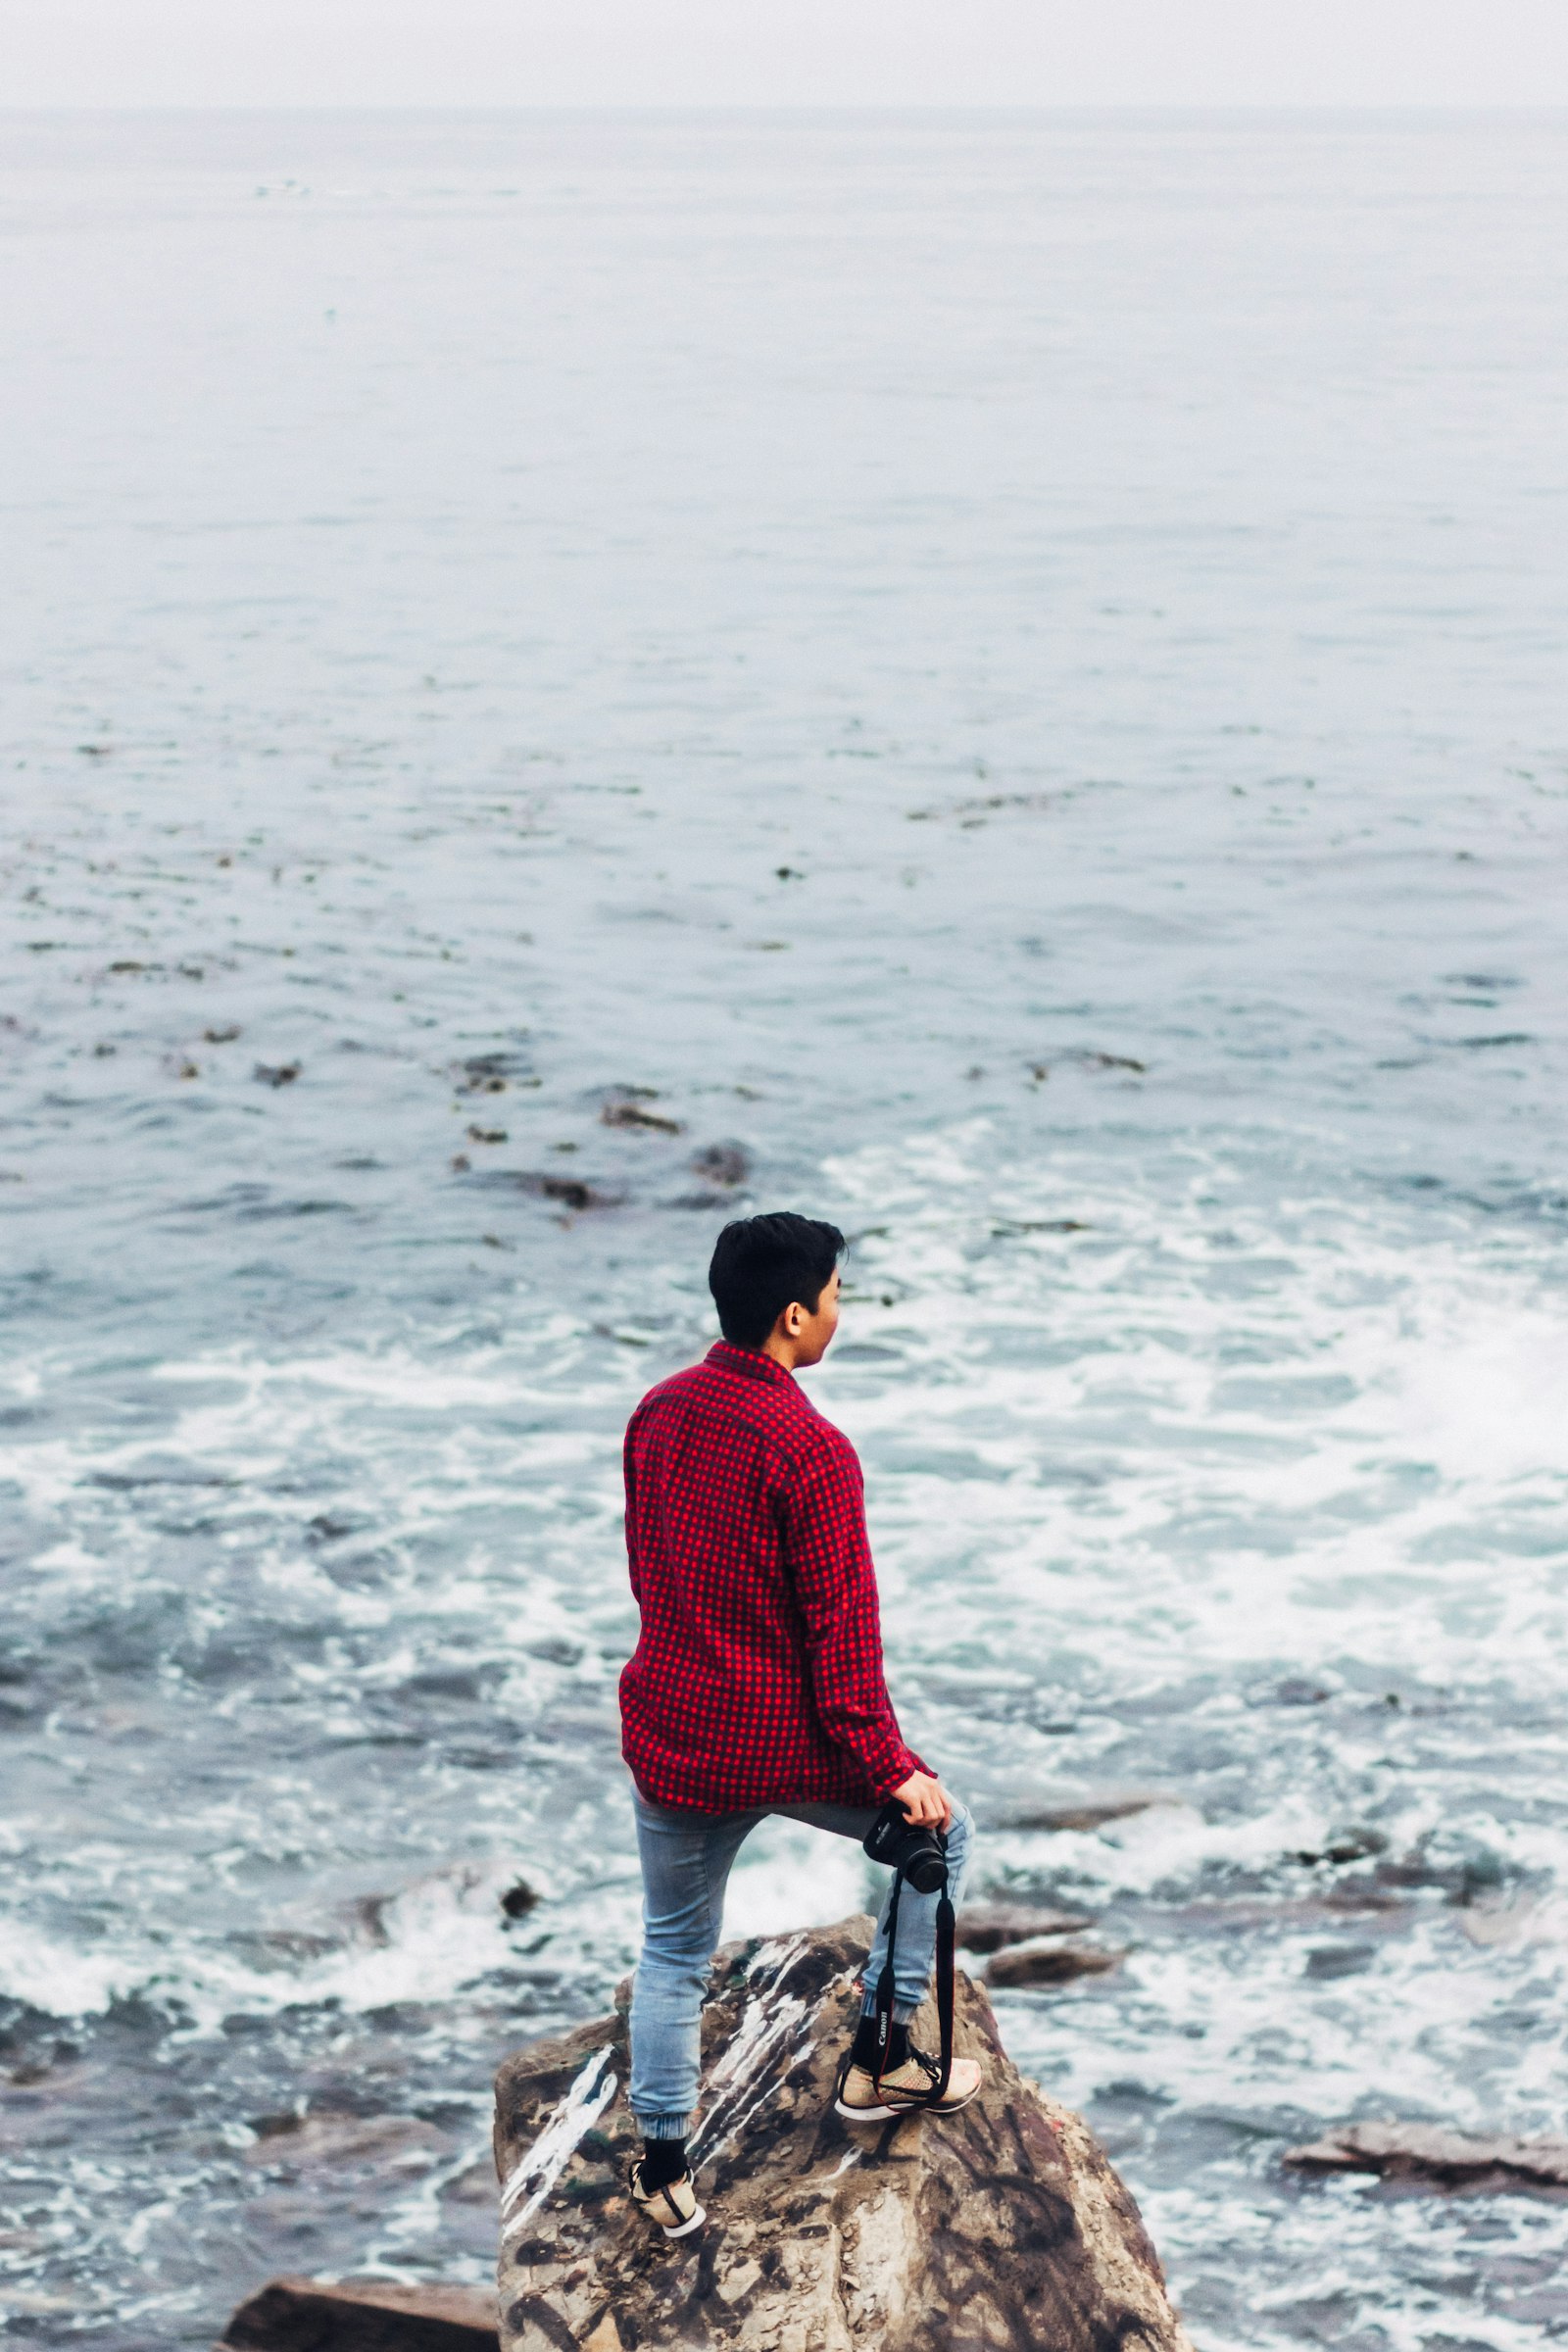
x,y
883,2114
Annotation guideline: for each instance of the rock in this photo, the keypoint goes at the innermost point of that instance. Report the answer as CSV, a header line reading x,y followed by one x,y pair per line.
x,y
724,1166
1298,1690
1389,1914
1002,1227
292,2144
370,2314
621,1113
1433,2153
1330,1960
1049,1963
491,1073
987,1927
1091,1814
571,1192
1003,2227
1347,1846
1464,1881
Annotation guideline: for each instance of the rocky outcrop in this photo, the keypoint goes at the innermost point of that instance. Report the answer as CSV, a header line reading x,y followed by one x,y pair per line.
x,y
1053,1963
1431,2152
1003,2227
990,1927
363,2315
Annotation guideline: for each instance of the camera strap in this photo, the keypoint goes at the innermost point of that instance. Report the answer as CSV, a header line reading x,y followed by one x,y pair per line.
x,y
946,1938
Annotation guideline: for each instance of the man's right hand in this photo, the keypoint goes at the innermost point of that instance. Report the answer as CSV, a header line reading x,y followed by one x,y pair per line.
x,y
926,1803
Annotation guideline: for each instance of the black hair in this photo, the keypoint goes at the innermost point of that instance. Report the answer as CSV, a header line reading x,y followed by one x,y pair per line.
x,y
760,1265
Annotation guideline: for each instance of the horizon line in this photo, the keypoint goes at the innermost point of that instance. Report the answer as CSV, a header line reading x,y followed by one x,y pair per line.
x,y
1030,110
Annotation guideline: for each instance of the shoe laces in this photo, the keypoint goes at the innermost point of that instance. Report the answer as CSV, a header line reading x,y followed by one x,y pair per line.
x,y
929,2067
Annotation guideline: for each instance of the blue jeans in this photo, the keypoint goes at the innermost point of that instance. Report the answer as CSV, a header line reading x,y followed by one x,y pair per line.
x,y
686,1860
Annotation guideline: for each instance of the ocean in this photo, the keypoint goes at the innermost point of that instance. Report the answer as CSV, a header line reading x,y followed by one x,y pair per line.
x,y
997,679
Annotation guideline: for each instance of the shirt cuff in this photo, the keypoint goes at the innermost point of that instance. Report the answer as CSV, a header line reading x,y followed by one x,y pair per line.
x,y
896,1774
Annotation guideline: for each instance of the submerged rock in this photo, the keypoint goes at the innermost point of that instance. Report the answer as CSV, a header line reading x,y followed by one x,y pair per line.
x,y
491,1073
363,2315
1433,2153
723,1165
620,1112
1003,2225
1355,1844
1296,1690
570,1192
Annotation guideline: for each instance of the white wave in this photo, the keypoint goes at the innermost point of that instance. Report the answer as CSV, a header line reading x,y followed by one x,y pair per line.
x,y
789,1876
424,1944
1236,1429
62,1980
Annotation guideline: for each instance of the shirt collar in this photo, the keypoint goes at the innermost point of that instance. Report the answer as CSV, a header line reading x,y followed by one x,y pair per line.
x,y
749,1362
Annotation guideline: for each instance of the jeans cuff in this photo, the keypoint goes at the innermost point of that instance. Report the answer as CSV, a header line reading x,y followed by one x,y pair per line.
x,y
665,2126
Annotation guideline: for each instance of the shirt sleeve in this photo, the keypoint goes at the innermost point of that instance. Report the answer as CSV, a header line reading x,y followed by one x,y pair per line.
x,y
828,1557
628,1464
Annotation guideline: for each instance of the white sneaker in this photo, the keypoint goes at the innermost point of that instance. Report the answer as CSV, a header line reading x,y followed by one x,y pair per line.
x,y
867,2098
673,2207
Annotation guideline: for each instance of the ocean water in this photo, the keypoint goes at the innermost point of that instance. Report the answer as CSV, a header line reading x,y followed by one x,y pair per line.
x,y
1005,679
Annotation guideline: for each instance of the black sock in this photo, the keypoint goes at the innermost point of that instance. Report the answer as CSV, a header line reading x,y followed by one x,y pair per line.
x,y
865,2049
663,2161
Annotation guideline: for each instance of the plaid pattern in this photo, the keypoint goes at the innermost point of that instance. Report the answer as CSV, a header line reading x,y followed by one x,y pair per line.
x,y
758,1676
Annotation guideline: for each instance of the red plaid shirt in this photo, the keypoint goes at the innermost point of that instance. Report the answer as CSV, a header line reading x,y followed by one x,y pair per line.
x,y
758,1676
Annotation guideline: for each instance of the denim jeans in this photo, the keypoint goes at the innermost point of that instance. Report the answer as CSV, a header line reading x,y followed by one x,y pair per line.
x,y
686,1860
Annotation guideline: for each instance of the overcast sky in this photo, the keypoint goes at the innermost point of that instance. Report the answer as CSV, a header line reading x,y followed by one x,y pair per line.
x,y
783,52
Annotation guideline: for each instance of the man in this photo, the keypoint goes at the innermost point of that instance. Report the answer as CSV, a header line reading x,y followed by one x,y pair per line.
x,y
757,1684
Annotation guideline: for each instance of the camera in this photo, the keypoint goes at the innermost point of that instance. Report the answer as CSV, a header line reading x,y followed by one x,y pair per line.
x,y
920,1853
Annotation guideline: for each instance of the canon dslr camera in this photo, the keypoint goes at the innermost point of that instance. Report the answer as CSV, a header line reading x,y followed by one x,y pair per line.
x,y
920,1853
